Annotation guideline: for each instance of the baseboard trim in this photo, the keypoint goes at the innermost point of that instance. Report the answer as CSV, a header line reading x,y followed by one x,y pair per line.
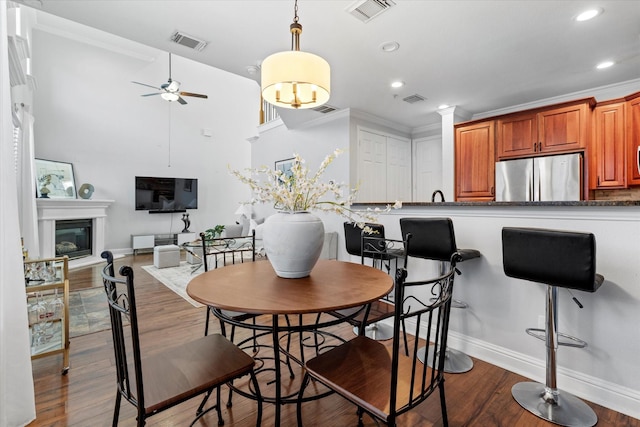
x,y
605,393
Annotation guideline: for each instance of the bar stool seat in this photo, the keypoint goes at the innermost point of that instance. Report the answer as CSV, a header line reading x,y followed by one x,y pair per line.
x,y
434,239
558,259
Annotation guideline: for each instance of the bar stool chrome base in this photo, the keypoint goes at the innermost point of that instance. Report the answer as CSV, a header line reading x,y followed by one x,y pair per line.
x,y
377,331
568,411
455,362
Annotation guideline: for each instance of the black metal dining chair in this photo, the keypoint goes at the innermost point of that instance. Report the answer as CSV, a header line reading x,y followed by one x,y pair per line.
x,y
374,249
383,382
163,379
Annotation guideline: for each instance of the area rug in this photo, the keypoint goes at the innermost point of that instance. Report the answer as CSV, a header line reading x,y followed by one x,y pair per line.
x,y
176,278
88,312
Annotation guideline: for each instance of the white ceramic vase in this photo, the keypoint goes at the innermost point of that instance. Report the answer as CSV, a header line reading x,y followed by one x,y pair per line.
x,y
293,242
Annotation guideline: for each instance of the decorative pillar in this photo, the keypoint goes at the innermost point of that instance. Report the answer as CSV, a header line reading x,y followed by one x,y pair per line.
x,y
450,116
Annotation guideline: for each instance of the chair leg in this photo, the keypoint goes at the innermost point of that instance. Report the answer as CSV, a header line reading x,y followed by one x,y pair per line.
x,y
206,322
443,404
360,413
229,401
204,401
305,382
116,411
256,386
218,408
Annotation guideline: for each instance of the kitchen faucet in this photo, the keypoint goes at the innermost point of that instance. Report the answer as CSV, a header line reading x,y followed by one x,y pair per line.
x,y
433,196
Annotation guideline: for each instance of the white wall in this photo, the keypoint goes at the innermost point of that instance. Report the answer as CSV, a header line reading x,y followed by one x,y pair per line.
x,y
314,142
90,114
501,308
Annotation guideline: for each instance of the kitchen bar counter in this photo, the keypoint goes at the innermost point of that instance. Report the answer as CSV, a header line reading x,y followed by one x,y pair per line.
x,y
506,204
501,308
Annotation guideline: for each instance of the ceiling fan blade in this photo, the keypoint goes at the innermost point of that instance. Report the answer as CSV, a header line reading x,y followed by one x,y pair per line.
x,y
182,101
150,94
197,95
144,84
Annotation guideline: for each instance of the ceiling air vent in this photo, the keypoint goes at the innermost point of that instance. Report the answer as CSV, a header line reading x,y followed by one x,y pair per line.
x,y
412,99
188,41
324,109
366,10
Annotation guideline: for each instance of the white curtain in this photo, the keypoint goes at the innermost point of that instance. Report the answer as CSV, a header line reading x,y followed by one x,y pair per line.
x,y
17,401
26,188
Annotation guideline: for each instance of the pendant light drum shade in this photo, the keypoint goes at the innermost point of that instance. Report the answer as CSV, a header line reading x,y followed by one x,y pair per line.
x,y
295,79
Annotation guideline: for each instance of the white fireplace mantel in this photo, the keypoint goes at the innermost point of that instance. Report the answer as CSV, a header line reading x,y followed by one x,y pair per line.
x,y
52,210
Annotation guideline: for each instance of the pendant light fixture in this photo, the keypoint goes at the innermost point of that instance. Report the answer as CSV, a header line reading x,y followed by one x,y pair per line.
x,y
295,79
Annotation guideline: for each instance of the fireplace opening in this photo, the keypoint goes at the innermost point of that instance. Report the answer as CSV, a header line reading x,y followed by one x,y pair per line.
x,y
73,238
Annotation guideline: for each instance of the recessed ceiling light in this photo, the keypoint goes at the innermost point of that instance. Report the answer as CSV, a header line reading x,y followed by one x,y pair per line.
x,y
605,64
589,14
397,84
390,46
443,106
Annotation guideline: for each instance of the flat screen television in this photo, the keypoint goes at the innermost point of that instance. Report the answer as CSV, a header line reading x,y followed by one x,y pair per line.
x,y
164,195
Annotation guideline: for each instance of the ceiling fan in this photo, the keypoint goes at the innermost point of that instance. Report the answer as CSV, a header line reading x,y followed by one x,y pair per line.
x,y
169,90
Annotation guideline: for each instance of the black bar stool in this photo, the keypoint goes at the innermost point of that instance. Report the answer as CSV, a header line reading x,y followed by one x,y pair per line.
x,y
559,259
435,239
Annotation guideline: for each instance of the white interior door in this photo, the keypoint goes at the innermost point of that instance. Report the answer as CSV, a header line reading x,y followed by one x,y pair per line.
x,y
372,167
398,169
428,168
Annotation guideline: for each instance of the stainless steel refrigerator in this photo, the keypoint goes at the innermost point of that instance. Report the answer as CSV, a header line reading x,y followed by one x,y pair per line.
x,y
550,178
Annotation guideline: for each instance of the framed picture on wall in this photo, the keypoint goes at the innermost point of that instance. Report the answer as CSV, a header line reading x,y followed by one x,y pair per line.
x,y
55,180
285,166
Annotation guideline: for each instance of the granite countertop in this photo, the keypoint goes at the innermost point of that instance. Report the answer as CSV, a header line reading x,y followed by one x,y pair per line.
x,y
581,203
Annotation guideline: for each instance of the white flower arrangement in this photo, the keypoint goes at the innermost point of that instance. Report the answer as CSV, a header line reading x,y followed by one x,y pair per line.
x,y
299,191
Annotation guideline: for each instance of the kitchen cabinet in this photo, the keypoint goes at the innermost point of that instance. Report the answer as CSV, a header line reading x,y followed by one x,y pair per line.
x,y
633,138
517,135
608,154
561,128
475,161
47,293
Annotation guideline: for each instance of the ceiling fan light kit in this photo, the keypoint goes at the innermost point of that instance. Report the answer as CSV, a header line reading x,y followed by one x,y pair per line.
x,y
169,96
295,79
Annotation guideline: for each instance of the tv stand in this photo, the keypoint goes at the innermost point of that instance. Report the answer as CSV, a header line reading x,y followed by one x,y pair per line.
x,y
167,211
146,242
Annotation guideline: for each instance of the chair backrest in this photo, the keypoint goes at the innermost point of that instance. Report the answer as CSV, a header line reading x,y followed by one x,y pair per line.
x,y
411,381
122,309
353,236
228,245
432,238
554,257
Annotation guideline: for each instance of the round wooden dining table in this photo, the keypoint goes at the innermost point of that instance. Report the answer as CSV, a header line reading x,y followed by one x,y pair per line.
x,y
254,287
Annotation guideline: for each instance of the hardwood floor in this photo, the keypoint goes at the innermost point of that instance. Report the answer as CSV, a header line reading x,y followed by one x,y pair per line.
x,y
86,395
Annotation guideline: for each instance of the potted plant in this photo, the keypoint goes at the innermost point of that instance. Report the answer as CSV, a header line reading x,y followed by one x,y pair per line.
x,y
214,233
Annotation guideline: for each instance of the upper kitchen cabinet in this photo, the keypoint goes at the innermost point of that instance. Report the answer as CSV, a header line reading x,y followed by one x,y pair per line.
x,y
475,162
557,129
633,138
608,154
517,135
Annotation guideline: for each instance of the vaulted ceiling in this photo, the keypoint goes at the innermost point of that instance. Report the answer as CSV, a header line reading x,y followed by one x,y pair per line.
x,y
477,55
